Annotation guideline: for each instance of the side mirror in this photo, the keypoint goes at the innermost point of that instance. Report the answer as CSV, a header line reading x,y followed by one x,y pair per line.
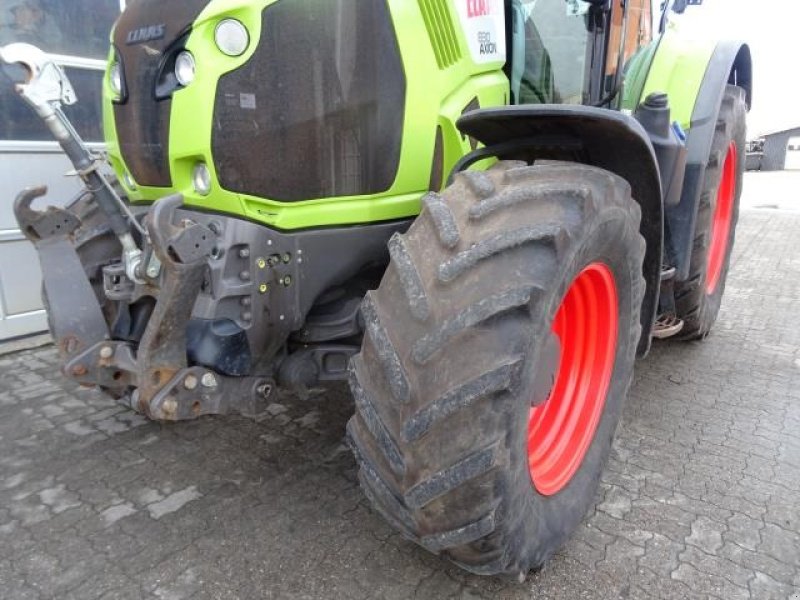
x,y
679,6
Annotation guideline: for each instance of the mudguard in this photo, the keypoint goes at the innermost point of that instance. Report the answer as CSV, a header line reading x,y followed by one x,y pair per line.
x,y
582,134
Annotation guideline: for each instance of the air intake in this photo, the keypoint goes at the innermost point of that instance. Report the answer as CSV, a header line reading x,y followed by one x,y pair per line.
x,y
441,31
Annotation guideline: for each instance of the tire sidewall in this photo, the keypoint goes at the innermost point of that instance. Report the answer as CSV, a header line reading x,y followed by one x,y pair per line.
x,y
698,308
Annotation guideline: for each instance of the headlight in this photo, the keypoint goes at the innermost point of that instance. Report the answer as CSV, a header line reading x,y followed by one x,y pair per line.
x,y
115,78
231,37
201,179
184,68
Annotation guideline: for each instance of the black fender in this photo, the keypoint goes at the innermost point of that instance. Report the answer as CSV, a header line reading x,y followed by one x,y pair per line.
x,y
730,63
594,136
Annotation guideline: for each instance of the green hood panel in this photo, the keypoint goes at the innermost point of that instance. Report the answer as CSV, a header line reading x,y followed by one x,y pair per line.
x,y
435,95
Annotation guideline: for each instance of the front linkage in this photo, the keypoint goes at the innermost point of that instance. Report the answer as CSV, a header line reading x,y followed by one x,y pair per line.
x,y
168,264
153,376
182,313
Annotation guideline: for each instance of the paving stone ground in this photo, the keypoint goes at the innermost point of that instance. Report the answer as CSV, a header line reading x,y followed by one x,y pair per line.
x,y
701,497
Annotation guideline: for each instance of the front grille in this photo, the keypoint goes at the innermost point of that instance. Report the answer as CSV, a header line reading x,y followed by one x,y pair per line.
x,y
143,34
317,111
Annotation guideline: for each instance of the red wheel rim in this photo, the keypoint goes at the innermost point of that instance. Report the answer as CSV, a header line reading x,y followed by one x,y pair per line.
x,y
721,221
561,429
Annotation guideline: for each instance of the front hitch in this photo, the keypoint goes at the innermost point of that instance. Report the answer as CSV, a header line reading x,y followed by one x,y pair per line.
x,y
152,372
155,376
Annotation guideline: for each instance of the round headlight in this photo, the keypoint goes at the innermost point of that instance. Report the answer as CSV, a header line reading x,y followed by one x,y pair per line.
x,y
231,37
201,179
115,78
184,68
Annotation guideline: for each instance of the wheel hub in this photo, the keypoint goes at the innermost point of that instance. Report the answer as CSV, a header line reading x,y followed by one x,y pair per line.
x,y
561,429
721,221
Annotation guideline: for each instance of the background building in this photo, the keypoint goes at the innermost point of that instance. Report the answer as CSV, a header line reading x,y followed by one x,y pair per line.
x,y
780,150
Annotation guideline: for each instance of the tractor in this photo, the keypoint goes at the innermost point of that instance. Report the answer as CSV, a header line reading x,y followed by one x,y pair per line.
x,y
479,213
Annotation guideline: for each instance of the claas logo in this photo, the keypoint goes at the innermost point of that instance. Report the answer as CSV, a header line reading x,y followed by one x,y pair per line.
x,y
480,8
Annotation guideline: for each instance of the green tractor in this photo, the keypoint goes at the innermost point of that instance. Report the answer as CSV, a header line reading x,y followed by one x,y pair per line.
x,y
478,212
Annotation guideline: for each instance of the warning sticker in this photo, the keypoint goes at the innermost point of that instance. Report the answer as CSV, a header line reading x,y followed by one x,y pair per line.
x,y
483,22
247,101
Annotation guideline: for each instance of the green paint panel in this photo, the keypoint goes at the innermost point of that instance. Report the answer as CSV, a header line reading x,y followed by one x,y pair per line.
x,y
678,69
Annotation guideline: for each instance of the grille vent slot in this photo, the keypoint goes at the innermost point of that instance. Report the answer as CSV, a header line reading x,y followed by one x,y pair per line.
x,y
441,32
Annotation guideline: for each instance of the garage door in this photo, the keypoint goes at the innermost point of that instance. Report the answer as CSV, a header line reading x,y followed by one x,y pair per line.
x,y
27,156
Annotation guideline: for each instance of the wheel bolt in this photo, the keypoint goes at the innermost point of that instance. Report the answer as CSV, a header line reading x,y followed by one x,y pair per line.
x,y
169,408
208,380
190,382
106,352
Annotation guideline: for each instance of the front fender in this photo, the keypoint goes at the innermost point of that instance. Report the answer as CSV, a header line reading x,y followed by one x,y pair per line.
x,y
599,137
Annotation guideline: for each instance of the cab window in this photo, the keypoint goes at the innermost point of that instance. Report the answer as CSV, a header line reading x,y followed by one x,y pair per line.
x,y
638,32
550,39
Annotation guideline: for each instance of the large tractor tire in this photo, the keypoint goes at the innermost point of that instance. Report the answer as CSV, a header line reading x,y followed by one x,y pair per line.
x,y
499,350
698,299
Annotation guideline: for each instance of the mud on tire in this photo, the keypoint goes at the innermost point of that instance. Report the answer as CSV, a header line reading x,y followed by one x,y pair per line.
x,y
444,381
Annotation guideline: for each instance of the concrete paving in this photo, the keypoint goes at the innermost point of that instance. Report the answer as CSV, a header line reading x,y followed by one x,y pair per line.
x,y
701,497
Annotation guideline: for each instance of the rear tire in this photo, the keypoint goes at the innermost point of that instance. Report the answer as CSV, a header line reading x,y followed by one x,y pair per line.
x,y
456,338
698,299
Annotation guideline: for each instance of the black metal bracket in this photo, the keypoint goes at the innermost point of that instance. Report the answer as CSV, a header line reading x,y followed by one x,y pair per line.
x,y
314,364
75,318
39,225
195,391
182,248
190,392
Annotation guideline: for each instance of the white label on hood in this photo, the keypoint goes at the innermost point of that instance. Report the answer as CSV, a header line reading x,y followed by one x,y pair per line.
x,y
484,25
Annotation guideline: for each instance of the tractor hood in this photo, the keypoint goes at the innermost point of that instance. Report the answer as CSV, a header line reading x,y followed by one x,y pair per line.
x,y
312,108
295,113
